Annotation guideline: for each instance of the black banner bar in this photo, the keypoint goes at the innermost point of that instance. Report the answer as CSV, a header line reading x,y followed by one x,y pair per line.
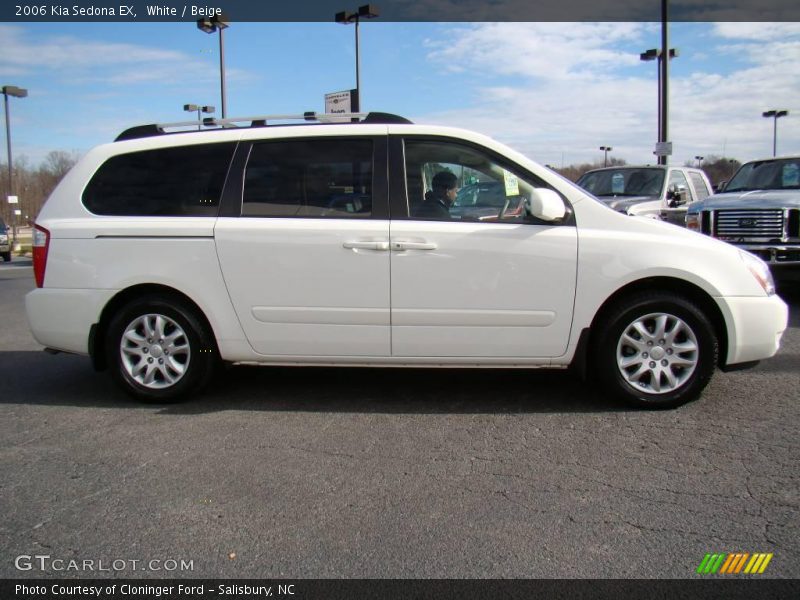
x,y
711,588
401,10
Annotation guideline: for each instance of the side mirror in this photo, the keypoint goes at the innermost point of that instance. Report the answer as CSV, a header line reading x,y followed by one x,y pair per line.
x,y
546,205
676,195
720,187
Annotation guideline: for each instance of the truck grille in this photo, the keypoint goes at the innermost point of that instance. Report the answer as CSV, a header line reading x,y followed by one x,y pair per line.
x,y
752,223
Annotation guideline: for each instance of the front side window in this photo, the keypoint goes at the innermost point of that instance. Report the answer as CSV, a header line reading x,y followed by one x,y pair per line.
x,y
185,181
450,181
677,178
330,178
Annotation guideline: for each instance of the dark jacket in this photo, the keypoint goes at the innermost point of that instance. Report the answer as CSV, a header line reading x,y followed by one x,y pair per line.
x,y
432,208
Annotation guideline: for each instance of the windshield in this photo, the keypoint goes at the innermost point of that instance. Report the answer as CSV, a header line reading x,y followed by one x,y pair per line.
x,y
623,182
782,174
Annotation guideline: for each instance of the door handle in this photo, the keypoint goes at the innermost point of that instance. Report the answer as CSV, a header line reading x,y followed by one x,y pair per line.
x,y
359,245
400,246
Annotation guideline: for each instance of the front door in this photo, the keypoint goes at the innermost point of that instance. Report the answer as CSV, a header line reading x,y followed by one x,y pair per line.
x,y
485,281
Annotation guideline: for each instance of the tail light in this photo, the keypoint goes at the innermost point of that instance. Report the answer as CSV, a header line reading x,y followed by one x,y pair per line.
x,y
41,243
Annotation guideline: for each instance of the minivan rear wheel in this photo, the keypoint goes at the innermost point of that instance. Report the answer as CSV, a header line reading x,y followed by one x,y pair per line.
x,y
7,256
159,350
657,350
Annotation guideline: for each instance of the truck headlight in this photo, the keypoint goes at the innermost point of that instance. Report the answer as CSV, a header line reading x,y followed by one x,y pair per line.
x,y
760,271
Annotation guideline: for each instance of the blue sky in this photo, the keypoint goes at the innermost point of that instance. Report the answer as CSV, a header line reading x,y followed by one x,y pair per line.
x,y
555,91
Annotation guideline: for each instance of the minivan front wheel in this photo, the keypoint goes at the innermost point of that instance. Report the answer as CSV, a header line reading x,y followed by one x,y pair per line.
x,y
159,350
657,350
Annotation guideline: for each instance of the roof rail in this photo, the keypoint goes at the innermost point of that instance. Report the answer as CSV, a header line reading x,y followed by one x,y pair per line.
x,y
214,124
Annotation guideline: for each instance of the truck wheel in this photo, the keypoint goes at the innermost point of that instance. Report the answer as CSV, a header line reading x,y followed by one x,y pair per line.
x,y
656,350
158,350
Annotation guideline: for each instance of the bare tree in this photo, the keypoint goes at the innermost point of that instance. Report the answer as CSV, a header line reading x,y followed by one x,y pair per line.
x,y
574,172
33,185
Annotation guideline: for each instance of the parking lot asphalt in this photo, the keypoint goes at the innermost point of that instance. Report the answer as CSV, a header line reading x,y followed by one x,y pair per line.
x,y
300,473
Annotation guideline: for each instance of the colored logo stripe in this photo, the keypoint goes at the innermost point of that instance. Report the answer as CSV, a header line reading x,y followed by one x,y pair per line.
x,y
733,563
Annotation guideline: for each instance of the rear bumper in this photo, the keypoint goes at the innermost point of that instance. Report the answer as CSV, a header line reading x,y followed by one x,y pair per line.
x,y
46,309
755,326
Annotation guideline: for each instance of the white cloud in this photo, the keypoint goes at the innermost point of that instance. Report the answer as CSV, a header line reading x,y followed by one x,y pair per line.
x,y
757,31
572,92
79,61
549,50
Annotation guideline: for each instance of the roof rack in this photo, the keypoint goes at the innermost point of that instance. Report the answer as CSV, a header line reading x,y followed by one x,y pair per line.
x,y
213,124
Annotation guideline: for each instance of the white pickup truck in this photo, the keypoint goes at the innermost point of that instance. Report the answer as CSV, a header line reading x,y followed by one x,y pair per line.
x,y
656,191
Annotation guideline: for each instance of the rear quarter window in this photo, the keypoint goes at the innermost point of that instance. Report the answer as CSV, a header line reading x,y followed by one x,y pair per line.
x,y
700,188
184,181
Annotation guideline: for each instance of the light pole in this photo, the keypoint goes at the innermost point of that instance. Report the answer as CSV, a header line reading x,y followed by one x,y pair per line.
x,y
16,92
367,11
775,115
657,54
199,109
606,150
699,160
218,22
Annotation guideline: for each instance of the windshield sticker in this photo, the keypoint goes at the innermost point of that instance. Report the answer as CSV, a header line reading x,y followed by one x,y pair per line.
x,y
791,176
617,183
511,182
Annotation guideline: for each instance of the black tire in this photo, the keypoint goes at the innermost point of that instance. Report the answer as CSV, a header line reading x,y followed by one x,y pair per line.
x,y
661,372
194,349
7,256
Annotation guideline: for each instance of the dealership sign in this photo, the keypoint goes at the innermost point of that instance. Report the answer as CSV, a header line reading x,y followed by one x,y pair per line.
x,y
341,102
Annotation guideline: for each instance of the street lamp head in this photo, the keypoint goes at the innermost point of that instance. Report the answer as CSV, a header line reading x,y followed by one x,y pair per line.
x,y
221,20
16,92
190,107
213,23
368,11
775,113
606,148
344,17
207,109
655,53
651,54
206,25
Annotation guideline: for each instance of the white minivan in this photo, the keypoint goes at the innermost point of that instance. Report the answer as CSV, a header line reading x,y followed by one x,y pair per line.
x,y
172,250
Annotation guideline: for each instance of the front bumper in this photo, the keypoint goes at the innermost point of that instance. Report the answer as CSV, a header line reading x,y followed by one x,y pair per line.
x,y
755,326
